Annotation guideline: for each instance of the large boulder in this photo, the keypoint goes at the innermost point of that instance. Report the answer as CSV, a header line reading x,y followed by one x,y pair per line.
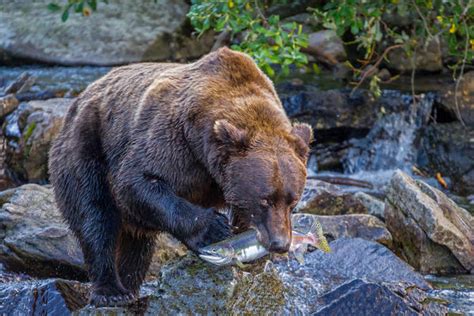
x,y
35,239
430,231
29,132
118,33
448,148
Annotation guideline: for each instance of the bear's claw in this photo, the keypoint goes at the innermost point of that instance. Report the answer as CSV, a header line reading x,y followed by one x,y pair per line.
x,y
99,300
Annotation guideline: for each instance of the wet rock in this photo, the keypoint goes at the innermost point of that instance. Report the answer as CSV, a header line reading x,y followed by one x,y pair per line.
x,y
391,143
103,38
449,149
428,58
326,46
322,198
29,132
46,297
352,225
465,98
189,286
432,233
374,206
35,239
329,110
362,298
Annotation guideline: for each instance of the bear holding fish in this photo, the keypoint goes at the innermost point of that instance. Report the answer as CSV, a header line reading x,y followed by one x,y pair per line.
x,y
160,147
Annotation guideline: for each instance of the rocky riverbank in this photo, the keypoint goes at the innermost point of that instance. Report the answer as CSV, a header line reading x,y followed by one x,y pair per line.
x,y
389,223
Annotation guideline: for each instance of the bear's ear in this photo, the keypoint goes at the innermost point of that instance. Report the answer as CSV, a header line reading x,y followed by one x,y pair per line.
x,y
230,135
304,136
303,131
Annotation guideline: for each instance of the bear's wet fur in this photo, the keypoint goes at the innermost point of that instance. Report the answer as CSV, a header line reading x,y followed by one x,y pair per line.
x,y
156,147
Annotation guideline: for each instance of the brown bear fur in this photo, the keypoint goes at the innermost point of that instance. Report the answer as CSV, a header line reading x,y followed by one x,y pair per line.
x,y
157,147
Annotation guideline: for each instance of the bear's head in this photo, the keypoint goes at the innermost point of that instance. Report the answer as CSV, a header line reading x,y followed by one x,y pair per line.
x,y
265,174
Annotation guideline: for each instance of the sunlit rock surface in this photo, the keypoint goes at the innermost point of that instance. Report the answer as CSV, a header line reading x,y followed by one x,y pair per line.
x,y
432,233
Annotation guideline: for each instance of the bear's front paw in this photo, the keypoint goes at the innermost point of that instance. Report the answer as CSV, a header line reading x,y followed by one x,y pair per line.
x,y
217,230
111,296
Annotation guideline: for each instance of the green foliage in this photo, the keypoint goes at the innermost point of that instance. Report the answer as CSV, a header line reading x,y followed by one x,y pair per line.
x,y
266,39
84,7
379,23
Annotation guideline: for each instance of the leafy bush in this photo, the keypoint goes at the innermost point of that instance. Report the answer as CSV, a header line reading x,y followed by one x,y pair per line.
x,y
266,39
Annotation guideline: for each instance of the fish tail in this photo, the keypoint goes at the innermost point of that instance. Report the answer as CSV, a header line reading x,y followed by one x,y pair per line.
x,y
324,245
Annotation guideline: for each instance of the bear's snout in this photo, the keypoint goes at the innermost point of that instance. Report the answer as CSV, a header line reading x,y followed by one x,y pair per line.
x,y
275,232
279,245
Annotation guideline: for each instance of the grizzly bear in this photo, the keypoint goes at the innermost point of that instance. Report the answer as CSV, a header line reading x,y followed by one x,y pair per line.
x,y
156,147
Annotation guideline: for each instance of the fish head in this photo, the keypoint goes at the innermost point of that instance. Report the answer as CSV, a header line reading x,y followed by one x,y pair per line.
x,y
217,254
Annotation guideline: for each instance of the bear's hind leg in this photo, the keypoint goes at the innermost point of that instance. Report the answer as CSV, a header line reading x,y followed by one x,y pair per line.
x,y
99,244
87,205
135,252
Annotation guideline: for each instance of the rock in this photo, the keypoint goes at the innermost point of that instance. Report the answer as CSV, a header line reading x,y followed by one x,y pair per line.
x,y
35,240
46,297
391,143
327,46
429,57
322,198
374,206
117,33
362,298
8,104
465,95
29,132
355,269
432,232
352,225
189,286
337,115
449,149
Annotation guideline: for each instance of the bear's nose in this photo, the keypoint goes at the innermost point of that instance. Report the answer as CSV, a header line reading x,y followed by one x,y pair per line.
x,y
279,245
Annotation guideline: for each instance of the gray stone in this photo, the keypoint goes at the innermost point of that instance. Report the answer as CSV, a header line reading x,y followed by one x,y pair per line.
x,y
118,33
352,225
322,198
326,45
34,237
374,206
433,222
29,132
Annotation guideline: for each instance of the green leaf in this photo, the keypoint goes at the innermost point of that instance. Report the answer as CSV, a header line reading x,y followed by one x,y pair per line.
x,y
65,15
53,7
